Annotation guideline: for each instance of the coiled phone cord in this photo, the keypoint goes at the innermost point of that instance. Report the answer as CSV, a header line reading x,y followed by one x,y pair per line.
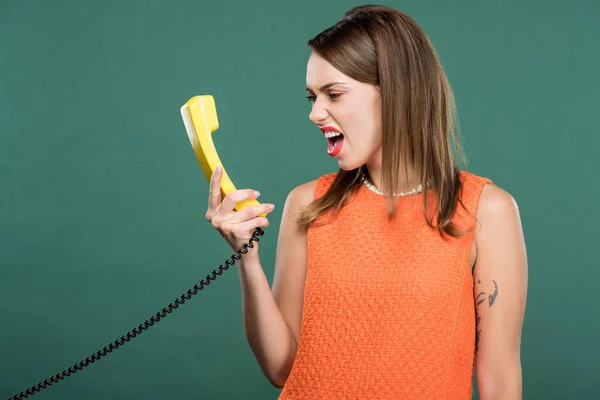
x,y
143,326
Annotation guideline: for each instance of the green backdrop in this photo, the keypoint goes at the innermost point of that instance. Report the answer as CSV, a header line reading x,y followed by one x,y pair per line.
x,y
102,201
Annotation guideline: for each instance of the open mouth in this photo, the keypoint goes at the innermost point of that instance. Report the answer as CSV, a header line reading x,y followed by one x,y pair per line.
x,y
335,144
335,140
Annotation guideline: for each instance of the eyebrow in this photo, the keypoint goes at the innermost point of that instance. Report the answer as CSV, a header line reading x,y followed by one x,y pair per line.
x,y
326,86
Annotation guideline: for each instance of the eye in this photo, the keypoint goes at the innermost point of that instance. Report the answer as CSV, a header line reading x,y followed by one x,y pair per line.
x,y
332,96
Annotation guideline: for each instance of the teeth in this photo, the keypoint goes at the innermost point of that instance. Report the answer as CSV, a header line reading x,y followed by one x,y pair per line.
x,y
331,134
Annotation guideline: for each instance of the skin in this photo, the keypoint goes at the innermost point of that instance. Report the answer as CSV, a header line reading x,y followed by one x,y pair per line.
x,y
354,108
500,291
498,256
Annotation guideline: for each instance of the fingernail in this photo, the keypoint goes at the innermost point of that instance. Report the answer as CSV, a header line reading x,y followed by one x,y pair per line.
x,y
218,168
271,207
256,193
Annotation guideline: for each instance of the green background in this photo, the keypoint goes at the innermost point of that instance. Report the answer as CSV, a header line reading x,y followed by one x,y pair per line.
x,y
102,201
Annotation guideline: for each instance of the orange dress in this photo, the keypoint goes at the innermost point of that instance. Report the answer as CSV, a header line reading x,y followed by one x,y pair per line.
x,y
388,309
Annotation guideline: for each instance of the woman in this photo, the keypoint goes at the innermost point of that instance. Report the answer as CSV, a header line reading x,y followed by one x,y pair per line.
x,y
385,286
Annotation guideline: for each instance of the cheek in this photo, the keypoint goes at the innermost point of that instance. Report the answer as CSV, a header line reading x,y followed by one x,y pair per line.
x,y
352,118
363,123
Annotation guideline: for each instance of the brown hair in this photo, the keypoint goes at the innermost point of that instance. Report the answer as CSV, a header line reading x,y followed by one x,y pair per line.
x,y
381,46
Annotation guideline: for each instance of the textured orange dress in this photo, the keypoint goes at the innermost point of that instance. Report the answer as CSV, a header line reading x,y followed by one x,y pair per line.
x,y
388,309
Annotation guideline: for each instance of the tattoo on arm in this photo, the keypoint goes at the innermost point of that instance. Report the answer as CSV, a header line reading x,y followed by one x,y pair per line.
x,y
480,299
477,332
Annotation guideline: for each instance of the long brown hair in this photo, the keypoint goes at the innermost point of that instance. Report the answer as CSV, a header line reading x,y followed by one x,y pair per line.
x,y
382,46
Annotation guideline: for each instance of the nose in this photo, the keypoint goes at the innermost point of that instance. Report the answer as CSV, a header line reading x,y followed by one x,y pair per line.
x,y
318,113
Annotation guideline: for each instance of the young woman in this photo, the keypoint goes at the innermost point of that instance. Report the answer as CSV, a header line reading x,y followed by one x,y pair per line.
x,y
400,274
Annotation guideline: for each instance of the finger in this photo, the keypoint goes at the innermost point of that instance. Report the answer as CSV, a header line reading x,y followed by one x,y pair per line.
x,y
250,212
248,226
214,194
230,201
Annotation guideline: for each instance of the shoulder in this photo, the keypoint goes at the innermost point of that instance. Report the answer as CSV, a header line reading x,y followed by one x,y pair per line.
x,y
489,202
473,181
472,187
495,203
304,193
497,210
491,199
308,191
497,218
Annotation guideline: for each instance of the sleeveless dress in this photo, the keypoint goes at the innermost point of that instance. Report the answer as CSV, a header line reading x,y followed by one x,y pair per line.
x,y
388,308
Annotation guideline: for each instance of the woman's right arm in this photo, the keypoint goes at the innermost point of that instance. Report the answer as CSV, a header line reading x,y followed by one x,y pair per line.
x,y
272,318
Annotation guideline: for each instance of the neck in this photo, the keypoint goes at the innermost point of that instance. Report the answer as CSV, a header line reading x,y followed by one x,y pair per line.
x,y
404,184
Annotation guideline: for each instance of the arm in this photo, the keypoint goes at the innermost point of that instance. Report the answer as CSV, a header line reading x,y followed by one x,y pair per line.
x,y
500,290
272,319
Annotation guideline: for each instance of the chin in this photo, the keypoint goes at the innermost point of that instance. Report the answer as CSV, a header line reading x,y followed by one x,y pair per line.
x,y
350,165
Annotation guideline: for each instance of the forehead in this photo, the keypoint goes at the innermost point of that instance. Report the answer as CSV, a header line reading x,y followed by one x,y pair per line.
x,y
319,72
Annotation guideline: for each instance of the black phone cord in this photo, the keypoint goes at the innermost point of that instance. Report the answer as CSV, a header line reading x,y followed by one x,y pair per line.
x,y
143,326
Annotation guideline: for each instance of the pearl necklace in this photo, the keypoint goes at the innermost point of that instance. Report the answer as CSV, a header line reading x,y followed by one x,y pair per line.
x,y
372,188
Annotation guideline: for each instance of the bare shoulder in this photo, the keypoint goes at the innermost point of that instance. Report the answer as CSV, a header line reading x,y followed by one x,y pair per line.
x,y
495,203
495,206
497,216
304,193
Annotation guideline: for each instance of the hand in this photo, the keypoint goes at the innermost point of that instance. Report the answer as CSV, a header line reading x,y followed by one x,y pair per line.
x,y
236,227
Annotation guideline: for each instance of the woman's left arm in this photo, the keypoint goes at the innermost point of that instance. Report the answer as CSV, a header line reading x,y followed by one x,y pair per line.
x,y
500,290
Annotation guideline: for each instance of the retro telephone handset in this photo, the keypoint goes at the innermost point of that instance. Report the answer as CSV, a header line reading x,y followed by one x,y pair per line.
x,y
200,119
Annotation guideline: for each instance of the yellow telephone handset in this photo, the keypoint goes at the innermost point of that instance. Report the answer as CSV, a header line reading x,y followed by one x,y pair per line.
x,y
200,119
